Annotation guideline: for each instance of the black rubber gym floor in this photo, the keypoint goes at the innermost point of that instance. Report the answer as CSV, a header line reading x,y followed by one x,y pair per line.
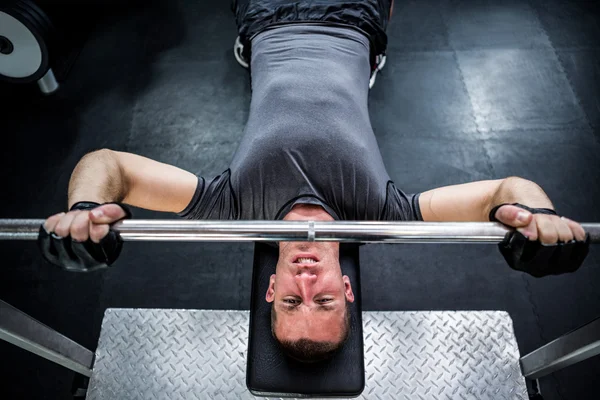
x,y
472,90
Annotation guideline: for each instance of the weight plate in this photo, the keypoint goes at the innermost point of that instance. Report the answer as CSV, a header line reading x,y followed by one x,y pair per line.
x,y
40,16
29,59
23,9
28,18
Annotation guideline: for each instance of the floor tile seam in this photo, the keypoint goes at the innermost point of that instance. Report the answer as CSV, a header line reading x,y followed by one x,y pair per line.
x,y
541,334
488,160
577,49
539,28
569,47
545,49
562,68
487,136
573,91
534,309
557,381
548,47
97,323
486,133
482,136
540,25
450,51
462,78
475,49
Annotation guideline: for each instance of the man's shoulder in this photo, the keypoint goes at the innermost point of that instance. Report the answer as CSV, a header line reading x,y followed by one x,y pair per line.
x,y
400,206
215,199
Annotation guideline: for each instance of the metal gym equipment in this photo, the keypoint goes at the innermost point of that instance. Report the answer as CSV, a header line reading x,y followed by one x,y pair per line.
x,y
277,231
199,354
26,45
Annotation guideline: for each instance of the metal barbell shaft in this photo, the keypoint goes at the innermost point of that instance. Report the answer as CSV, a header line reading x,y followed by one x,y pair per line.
x,y
269,231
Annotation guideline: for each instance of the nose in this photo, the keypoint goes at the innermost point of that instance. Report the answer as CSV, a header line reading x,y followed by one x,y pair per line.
x,y
306,274
305,280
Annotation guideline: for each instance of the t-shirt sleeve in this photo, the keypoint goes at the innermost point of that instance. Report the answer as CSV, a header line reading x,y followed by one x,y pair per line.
x,y
193,205
213,199
401,206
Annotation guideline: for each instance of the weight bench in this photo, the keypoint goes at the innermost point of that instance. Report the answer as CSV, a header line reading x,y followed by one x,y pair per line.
x,y
199,354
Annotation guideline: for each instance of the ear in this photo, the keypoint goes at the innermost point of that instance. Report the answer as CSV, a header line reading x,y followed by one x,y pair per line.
x,y
348,289
271,290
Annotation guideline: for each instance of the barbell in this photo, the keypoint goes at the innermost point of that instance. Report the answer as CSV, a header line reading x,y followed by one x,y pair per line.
x,y
278,231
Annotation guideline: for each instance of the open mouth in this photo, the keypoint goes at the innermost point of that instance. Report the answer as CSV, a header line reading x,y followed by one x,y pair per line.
x,y
305,259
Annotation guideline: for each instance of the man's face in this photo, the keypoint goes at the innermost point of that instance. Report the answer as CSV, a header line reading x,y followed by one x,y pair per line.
x,y
308,292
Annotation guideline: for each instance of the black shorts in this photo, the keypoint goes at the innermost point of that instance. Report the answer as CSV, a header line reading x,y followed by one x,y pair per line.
x,y
371,17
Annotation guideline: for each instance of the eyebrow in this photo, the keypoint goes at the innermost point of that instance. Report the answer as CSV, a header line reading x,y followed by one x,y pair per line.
x,y
325,307
291,309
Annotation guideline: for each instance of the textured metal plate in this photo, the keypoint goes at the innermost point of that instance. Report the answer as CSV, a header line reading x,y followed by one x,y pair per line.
x,y
197,354
441,355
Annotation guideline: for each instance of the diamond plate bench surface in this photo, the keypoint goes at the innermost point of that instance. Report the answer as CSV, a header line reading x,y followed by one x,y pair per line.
x,y
200,354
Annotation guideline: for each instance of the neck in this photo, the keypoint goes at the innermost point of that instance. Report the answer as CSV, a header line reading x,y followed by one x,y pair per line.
x,y
307,212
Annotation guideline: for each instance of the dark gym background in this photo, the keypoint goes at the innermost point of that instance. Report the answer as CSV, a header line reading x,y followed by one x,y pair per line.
x,y
472,90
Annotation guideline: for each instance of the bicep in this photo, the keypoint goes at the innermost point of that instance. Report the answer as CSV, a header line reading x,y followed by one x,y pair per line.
x,y
154,185
457,203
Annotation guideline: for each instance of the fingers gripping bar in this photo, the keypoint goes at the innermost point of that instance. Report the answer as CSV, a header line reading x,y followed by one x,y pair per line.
x,y
271,231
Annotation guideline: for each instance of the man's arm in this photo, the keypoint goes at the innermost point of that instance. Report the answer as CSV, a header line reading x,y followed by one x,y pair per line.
x,y
474,201
106,176
111,176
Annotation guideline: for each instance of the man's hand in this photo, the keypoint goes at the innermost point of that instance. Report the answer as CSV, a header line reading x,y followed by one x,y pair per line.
x,y
548,229
82,225
543,244
81,240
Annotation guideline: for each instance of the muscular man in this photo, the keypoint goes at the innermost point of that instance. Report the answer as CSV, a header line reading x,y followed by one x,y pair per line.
x,y
308,153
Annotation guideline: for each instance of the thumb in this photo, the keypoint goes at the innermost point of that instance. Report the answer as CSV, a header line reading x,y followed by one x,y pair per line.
x,y
107,214
513,216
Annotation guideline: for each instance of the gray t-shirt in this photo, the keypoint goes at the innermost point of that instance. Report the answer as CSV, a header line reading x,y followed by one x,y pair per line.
x,y
308,138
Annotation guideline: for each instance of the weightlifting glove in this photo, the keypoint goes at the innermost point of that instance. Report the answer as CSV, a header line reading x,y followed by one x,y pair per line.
x,y
536,258
82,256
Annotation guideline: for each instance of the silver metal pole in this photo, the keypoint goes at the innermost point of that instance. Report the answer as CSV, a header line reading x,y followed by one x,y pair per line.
x,y
25,332
268,231
567,350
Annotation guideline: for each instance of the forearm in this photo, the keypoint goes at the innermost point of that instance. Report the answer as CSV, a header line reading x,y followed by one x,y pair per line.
x,y
519,190
97,177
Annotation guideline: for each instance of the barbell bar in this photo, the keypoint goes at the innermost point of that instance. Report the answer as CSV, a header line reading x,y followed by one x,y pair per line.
x,y
278,231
